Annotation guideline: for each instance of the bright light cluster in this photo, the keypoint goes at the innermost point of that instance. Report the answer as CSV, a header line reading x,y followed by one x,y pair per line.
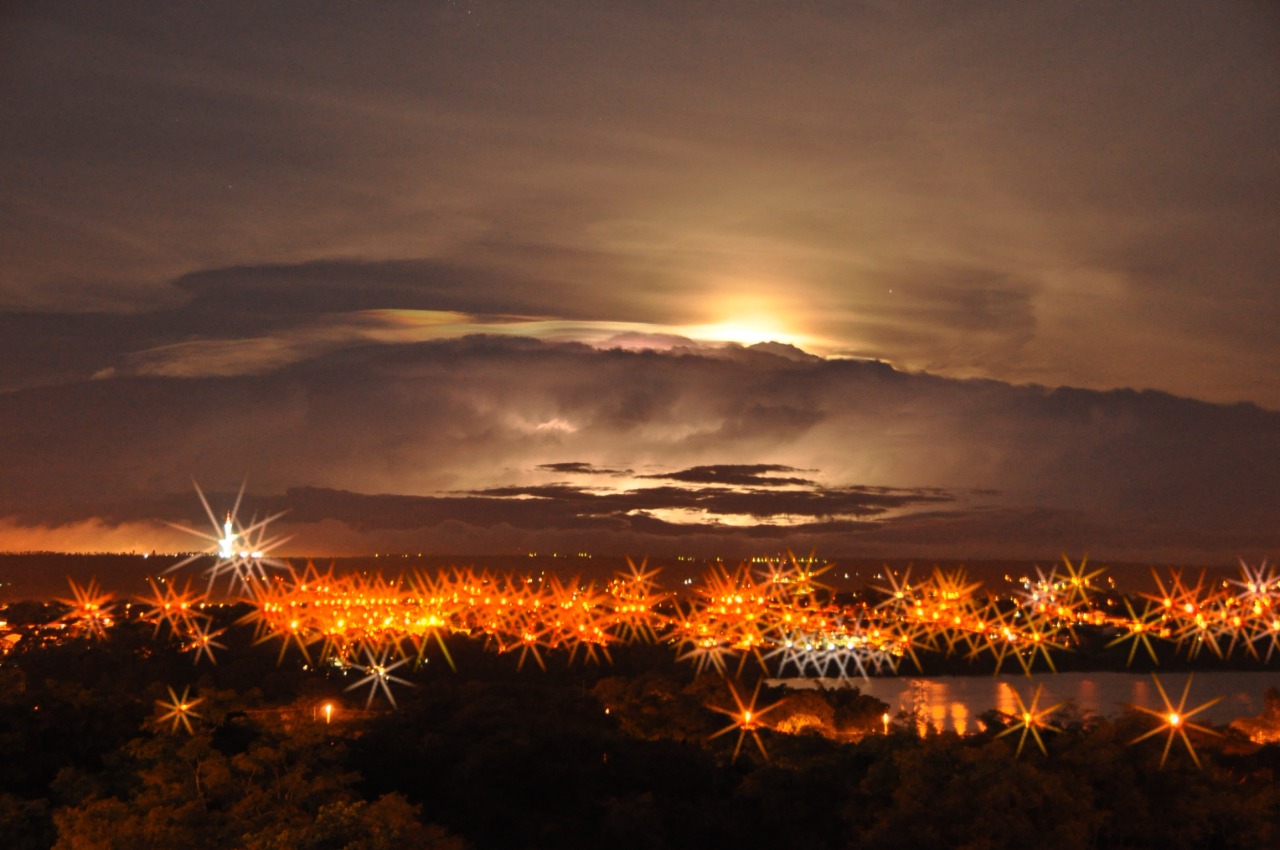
x,y
341,619
775,611
1204,616
183,612
89,610
772,610
241,552
779,614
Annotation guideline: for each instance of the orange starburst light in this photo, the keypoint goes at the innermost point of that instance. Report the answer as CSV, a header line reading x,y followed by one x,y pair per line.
x,y
746,719
90,609
1174,720
1031,719
180,710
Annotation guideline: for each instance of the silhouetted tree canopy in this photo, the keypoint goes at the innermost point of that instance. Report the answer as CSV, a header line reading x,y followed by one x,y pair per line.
x,y
577,757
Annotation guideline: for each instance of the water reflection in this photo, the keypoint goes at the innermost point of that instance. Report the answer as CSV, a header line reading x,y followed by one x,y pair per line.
x,y
953,702
1006,702
959,717
1089,691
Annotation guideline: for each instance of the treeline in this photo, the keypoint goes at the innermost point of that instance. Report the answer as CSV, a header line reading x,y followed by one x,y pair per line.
x,y
622,756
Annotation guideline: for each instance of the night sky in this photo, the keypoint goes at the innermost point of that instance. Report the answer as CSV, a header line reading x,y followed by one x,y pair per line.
x,y
881,279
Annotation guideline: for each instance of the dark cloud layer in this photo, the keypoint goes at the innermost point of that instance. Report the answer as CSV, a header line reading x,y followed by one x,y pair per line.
x,y
760,504
466,439
554,508
1061,193
759,474
579,467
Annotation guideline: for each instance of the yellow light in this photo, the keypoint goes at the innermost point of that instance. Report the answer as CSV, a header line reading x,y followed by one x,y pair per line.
x,y
746,330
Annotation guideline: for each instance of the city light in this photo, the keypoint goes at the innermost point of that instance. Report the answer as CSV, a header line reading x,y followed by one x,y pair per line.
x,y
1173,719
774,612
179,710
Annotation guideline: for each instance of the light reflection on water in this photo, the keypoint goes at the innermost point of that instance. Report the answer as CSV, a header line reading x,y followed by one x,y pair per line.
x,y
952,702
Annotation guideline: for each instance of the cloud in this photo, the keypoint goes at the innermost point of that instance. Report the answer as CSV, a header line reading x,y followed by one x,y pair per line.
x,y
963,321
1050,196
740,474
248,320
439,442
711,504
253,299
222,358
578,467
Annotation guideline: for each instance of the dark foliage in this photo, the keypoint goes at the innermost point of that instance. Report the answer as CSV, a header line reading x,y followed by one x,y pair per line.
x,y
613,756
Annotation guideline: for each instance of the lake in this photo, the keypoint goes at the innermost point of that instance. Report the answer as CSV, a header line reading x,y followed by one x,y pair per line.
x,y
954,701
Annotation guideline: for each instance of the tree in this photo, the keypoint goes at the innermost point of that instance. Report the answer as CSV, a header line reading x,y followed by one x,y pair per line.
x,y
270,783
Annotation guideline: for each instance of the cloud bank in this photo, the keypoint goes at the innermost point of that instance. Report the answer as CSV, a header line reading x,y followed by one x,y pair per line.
x,y
1052,193
485,444
459,277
